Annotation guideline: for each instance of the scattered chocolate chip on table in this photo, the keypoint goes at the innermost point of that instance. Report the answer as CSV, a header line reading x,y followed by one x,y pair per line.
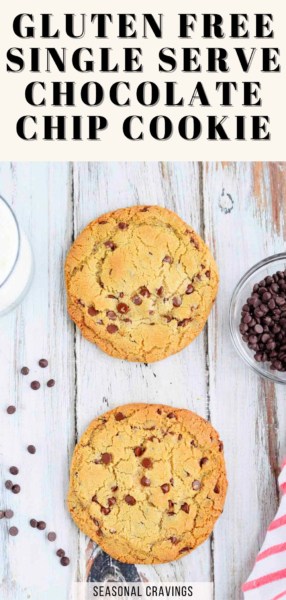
x,y
9,514
11,410
43,363
31,449
14,470
51,383
33,523
35,385
25,371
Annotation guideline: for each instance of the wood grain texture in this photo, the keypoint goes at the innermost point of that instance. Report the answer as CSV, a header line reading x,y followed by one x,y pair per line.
x,y
239,208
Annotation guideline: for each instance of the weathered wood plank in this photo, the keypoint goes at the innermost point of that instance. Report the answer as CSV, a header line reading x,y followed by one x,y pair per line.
x,y
38,328
239,211
104,382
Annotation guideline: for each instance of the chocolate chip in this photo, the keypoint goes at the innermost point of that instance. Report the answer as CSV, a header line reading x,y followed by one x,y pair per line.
x,y
105,511
92,311
11,410
123,226
114,488
41,525
65,561
110,245
119,416
25,371
171,415
159,411
145,481
8,514
203,461
14,470
147,463
190,289
60,552
208,274
31,449
138,451
34,523
122,308
137,300
196,485
106,458
185,507
35,385
165,488
13,531
51,383
184,322
112,328
186,549
216,489
43,363
174,540
171,508
111,501
8,484
111,315
16,489
168,259
160,292
144,292
130,500
220,446
52,536
177,301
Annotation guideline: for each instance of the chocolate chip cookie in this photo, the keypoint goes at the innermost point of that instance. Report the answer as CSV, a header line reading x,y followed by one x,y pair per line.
x,y
148,482
140,283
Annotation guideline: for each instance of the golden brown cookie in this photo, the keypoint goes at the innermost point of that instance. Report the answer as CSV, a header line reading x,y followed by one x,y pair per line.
x,y
148,482
140,283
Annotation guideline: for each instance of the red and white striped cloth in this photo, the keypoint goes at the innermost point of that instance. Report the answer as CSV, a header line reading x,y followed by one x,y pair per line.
x,y
268,578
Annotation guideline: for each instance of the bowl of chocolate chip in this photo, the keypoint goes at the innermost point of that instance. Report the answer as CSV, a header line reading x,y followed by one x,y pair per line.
x,y
258,318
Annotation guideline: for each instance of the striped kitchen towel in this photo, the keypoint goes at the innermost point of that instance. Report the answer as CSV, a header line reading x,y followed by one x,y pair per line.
x,y
268,578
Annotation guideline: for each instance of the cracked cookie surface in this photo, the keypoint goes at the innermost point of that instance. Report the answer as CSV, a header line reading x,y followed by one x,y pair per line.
x,y
140,283
148,482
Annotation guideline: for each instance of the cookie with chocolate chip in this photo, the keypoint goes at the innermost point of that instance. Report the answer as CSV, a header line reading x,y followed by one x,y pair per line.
x,y
140,283
148,482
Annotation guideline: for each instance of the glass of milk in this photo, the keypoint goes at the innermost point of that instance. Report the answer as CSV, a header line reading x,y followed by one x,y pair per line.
x,y
16,260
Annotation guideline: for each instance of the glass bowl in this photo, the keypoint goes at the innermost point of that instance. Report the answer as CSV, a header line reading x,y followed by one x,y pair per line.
x,y
243,290
16,260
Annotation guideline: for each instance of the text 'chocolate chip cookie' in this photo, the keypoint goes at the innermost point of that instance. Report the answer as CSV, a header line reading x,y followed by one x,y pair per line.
x,y
140,283
148,482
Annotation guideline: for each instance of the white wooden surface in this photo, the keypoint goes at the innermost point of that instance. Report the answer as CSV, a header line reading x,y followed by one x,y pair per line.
x,y
240,211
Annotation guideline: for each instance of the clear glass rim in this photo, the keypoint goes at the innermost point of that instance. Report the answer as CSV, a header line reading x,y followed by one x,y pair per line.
x,y
19,240
263,263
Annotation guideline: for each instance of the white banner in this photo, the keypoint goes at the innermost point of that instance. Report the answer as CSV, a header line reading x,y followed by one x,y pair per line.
x,y
155,81
138,590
